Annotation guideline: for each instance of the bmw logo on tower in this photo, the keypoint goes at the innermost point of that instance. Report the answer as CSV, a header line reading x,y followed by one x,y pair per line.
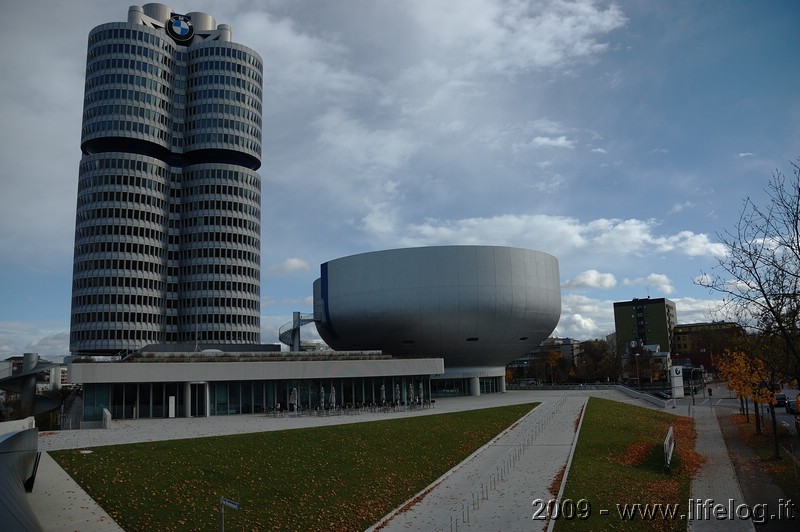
x,y
180,28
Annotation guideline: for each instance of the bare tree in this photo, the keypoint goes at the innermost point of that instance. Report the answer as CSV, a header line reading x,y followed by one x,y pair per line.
x,y
759,277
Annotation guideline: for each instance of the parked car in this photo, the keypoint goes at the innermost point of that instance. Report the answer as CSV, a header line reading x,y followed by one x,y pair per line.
x,y
791,406
780,399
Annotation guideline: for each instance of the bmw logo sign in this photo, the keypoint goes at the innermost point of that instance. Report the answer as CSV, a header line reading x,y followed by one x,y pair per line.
x,y
677,371
180,28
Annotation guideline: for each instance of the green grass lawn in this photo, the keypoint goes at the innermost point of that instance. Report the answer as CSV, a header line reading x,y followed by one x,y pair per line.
x,y
619,459
343,477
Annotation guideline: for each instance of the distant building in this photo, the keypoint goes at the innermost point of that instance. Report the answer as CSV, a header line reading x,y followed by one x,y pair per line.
x,y
565,353
644,322
699,343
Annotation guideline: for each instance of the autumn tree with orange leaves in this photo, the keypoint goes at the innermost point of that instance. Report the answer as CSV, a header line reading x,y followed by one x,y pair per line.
x,y
751,378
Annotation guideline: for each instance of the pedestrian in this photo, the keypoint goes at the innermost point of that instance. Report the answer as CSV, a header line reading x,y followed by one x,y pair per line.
x,y
710,392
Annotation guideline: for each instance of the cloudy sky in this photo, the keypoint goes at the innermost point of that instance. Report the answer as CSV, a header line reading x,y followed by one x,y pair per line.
x,y
620,137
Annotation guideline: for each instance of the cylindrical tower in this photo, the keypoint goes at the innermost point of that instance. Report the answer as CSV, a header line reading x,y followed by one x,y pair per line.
x,y
167,234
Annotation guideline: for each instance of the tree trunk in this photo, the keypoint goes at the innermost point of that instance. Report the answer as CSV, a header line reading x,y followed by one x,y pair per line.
x,y
758,417
775,432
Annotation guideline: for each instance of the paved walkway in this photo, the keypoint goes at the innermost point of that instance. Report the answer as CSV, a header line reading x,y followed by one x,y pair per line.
x,y
715,492
498,483
494,488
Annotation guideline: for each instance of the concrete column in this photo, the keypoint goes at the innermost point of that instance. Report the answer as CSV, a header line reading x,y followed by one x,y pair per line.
x,y
28,385
475,386
208,400
502,385
187,399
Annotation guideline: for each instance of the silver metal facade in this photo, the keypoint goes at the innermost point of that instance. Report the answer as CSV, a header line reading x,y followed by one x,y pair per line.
x,y
167,234
475,306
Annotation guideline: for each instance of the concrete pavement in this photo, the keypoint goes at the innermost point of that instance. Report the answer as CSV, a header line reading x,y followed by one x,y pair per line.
x,y
494,489
715,492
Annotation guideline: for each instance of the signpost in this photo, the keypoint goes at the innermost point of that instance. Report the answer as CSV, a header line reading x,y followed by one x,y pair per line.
x,y
669,447
223,502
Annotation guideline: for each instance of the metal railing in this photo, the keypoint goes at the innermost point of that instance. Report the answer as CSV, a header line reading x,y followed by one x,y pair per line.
x,y
501,470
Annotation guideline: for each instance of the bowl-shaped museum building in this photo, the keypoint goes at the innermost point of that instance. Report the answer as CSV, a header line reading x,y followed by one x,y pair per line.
x,y
477,307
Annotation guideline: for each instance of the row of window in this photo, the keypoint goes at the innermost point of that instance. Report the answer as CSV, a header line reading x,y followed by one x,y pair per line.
x,y
135,231
219,205
224,138
120,63
230,319
219,269
251,180
226,123
122,48
125,126
222,79
224,302
106,94
198,79
216,337
221,190
221,221
219,236
152,337
126,299
121,196
85,215
81,283
125,180
121,78
227,51
134,248
120,317
131,34
147,337
206,109
121,265
225,94
220,253
219,286
126,162
127,110
223,174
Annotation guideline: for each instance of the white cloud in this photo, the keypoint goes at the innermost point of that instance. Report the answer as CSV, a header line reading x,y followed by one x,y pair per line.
x,y
289,265
514,37
560,235
578,327
599,150
678,207
298,65
553,142
50,340
745,154
357,145
591,279
657,281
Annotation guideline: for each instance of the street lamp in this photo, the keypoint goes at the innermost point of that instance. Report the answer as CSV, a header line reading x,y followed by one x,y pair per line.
x,y
633,345
691,381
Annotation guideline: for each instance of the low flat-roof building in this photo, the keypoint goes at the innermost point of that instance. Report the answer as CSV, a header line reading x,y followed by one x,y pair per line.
x,y
213,382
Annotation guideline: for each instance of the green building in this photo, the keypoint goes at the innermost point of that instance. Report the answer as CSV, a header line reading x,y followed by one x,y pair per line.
x,y
645,322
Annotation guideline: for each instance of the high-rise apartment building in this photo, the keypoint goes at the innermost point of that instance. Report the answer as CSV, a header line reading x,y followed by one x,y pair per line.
x,y
645,322
167,233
